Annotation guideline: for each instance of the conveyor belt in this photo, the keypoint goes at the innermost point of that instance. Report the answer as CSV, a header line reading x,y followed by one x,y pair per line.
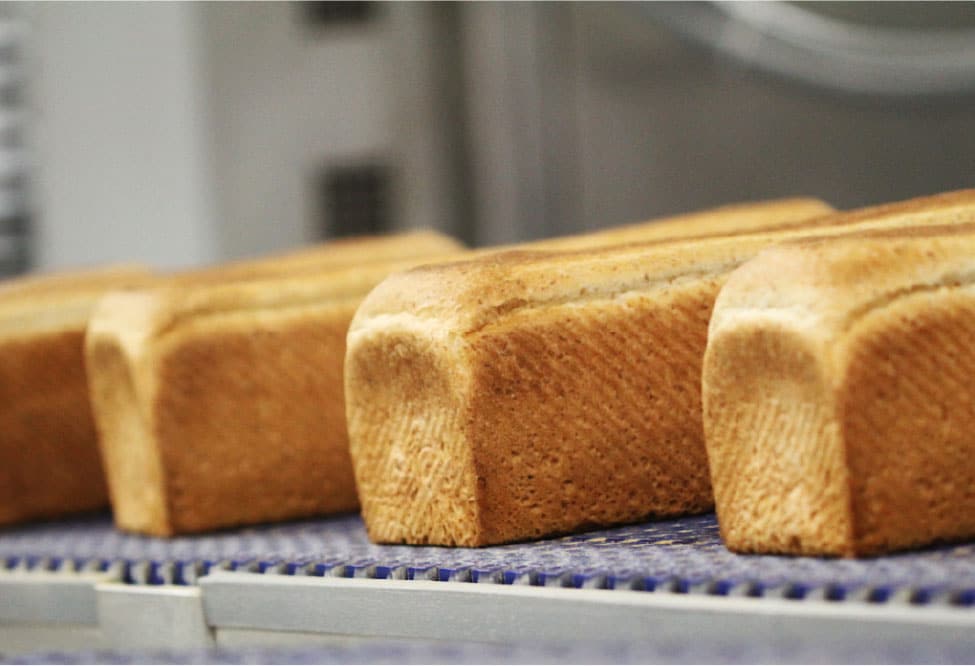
x,y
683,555
81,584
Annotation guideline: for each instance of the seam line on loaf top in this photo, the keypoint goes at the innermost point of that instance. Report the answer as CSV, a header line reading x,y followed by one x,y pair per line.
x,y
638,286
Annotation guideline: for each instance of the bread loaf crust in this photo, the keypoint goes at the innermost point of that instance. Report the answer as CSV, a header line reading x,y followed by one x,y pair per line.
x,y
861,444
219,393
741,218
545,422
51,466
262,445
568,429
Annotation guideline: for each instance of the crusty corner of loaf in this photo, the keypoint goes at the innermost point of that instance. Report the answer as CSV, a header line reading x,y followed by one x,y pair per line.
x,y
774,445
117,358
836,407
407,387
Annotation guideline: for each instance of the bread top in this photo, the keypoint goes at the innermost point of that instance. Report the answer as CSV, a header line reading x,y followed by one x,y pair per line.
x,y
320,277
60,301
823,286
730,219
468,295
332,255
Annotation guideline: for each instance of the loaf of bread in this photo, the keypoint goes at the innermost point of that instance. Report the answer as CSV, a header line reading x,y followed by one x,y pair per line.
x,y
218,395
529,393
49,463
838,405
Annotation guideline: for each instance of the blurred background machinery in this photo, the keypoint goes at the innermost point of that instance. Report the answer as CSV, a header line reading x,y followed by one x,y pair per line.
x,y
179,134
14,165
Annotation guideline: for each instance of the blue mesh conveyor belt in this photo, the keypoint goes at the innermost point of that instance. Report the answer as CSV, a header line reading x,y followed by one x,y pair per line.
x,y
682,555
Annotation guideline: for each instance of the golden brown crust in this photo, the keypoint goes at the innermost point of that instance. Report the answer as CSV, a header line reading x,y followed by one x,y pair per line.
x,y
439,506
259,445
47,303
837,408
334,255
218,394
762,390
731,219
65,283
473,290
582,403
567,429
120,381
50,459
50,463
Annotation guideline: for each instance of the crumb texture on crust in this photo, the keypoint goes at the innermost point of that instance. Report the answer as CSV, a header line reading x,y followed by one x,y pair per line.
x,y
414,468
249,419
578,421
908,409
875,331
773,443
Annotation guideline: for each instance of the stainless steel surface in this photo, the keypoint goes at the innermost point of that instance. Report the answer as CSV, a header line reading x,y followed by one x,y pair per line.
x,y
45,597
591,114
859,48
464,611
158,617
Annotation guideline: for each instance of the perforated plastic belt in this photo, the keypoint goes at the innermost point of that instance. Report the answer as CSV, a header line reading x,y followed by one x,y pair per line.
x,y
682,556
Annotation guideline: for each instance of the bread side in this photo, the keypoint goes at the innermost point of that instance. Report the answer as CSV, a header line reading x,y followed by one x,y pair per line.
x,y
219,401
249,418
583,403
50,458
837,412
50,462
